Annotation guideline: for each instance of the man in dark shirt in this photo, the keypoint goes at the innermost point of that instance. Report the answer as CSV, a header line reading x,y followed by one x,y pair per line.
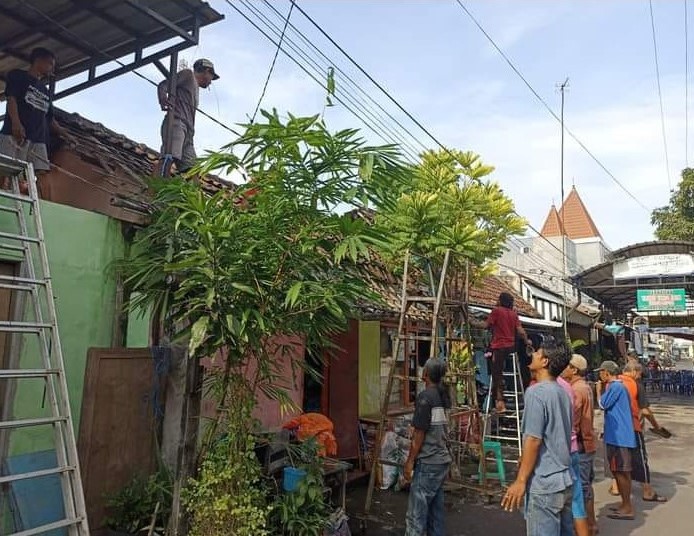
x,y
182,108
505,325
429,458
29,120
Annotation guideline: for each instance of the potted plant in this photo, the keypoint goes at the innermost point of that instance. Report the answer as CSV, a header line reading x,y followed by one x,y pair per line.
x,y
143,501
302,510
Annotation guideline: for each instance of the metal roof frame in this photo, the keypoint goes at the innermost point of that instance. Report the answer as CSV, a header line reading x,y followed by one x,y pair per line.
x,y
620,295
88,34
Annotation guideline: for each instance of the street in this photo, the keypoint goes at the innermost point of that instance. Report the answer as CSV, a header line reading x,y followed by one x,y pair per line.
x,y
672,467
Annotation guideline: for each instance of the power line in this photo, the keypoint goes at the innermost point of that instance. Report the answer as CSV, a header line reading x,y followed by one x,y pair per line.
x,y
116,60
549,109
321,69
274,60
660,94
686,85
344,98
371,78
350,79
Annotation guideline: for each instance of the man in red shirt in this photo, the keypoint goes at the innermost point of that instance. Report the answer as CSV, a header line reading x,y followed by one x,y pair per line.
x,y
505,324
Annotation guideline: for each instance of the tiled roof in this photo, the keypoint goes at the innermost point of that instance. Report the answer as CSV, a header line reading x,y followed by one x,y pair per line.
x,y
486,294
552,226
121,161
577,221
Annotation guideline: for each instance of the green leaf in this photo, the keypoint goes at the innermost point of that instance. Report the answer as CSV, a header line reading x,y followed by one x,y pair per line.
x,y
331,81
366,167
244,288
197,334
293,294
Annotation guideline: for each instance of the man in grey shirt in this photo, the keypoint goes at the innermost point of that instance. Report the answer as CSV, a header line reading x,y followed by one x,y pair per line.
x,y
182,108
544,475
429,458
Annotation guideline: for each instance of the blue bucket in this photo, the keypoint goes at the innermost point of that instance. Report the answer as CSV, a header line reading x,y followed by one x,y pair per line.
x,y
291,478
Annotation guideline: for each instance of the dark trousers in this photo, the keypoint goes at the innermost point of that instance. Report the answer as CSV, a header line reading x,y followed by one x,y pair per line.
x,y
498,364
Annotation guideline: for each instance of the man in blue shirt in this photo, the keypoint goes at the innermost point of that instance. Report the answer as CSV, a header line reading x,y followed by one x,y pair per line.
x,y
544,474
619,434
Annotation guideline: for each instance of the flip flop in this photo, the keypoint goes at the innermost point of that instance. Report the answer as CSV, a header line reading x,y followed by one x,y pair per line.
x,y
656,498
621,517
662,432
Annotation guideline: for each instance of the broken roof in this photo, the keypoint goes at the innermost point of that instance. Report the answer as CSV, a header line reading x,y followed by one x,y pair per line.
x,y
119,163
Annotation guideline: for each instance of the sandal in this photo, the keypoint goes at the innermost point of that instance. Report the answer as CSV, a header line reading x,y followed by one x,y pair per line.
x,y
662,432
655,498
621,517
613,493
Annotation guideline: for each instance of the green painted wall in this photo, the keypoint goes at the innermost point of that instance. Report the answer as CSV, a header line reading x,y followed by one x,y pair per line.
x,y
369,367
81,248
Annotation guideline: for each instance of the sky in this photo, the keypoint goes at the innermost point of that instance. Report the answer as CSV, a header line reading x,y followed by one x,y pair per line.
x,y
434,61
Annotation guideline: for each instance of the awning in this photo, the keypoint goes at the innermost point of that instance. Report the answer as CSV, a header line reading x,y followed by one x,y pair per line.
x,y
86,36
527,320
649,265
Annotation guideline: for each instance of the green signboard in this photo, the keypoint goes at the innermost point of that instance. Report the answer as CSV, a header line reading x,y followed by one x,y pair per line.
x,y
665,299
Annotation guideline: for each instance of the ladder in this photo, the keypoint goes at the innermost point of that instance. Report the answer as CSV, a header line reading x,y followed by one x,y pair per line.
x,y
505,428
442,338
34,328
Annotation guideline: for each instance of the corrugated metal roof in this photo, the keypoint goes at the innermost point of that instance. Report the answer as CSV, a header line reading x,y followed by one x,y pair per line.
x,y
89,33
598,282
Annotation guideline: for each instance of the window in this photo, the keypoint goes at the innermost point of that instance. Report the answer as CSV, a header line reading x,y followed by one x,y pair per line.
x,y
524,250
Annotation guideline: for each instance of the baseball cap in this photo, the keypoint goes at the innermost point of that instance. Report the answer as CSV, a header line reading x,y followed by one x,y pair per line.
x,y
203,63
579,362
609,366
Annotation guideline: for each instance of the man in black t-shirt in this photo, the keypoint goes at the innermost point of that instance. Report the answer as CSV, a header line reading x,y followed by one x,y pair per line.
x,y
29,119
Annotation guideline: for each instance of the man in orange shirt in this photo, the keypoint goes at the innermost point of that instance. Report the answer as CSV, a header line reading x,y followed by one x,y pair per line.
x,y
640,470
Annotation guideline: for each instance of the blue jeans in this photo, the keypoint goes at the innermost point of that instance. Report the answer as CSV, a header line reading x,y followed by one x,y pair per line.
x,y
550,514
578,506
425,509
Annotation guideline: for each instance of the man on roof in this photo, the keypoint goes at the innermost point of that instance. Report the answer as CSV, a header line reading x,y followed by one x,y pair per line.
x,y
183,107
29,122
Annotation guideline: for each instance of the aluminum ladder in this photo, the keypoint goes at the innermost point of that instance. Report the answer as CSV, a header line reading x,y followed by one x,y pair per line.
x,y
506,427
35,323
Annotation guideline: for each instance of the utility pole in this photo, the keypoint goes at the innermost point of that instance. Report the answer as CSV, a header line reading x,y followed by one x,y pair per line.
x,y
562,89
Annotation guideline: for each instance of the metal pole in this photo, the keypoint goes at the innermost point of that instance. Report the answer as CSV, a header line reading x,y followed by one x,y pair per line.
x,y
562,89
168,126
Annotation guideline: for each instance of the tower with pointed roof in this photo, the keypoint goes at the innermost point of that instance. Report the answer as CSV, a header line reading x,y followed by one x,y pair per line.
x,y
574,222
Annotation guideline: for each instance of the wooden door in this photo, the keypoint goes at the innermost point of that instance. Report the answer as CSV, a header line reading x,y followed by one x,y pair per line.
x,y
117,435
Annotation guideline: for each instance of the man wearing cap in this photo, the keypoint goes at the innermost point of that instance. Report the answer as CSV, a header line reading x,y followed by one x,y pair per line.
x,y
585,434
182,107
619,434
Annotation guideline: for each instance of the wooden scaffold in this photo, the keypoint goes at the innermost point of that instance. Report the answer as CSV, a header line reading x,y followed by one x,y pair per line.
x,y
446,302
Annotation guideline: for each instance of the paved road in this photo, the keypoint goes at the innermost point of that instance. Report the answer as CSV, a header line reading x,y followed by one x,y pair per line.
x,y
672,463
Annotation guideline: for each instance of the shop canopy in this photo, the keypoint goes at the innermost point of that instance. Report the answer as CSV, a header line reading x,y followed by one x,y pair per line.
x,y
97,40
663,268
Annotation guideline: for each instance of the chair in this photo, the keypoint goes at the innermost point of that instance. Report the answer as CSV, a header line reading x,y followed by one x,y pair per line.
x,y
495,448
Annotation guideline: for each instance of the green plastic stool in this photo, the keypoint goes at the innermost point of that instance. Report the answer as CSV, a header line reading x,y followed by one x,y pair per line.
x,y
495,447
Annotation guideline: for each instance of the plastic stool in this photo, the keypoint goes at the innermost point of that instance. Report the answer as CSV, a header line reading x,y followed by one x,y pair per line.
x,y
495,447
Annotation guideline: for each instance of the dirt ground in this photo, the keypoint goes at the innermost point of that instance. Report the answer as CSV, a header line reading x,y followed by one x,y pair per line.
x,y
466,514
